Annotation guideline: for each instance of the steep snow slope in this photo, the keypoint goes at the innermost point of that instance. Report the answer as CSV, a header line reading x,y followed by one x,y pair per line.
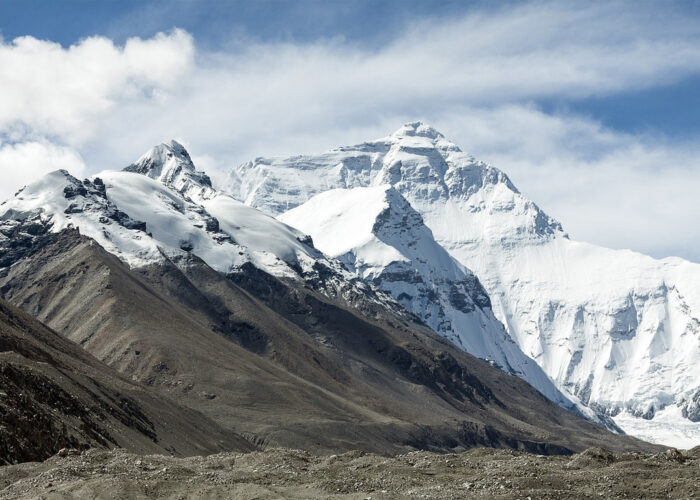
x,y
158,220
615,328
379,236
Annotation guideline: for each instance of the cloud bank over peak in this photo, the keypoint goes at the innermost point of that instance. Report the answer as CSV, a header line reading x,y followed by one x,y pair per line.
x,y
62,92
478,78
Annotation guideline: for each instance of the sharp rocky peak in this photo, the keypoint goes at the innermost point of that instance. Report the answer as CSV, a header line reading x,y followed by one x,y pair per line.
x,y
171,164
155,159
397,205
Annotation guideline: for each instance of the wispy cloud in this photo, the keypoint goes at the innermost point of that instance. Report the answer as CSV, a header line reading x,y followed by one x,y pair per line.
x,y
27,161
475,76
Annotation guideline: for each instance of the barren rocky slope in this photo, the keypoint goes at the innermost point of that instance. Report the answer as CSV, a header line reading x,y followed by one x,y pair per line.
x,y
53,394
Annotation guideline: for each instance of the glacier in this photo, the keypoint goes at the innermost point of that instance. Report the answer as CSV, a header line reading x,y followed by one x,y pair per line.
x,y
614,329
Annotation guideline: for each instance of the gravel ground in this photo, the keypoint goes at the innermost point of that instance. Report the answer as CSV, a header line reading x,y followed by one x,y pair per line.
x,y
284,473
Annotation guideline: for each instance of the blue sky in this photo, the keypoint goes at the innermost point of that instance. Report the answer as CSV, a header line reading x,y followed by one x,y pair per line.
x,y
215,22
592,108
672,109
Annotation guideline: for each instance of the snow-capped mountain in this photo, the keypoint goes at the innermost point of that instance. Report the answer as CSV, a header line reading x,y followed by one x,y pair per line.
x,y
617,329
162,207
138,219
376,233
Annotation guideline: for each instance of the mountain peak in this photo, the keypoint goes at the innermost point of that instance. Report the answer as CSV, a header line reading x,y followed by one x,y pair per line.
x,y
171,164
417,129
427,169
153,161
176,146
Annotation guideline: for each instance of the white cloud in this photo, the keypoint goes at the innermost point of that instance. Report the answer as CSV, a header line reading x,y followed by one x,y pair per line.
x,y
472,76
23,163
63,93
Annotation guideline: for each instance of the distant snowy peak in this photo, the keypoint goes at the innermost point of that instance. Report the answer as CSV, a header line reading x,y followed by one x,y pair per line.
x,y
432,173
171,164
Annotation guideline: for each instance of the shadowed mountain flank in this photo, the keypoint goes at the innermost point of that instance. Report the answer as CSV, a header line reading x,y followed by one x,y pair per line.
x,y
282,363
54,395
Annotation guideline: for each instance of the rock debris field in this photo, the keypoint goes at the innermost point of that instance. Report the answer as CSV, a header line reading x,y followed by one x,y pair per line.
x,y
284,473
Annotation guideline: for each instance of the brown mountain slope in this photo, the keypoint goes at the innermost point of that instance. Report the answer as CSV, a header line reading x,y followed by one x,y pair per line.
x,y
284,363
53,394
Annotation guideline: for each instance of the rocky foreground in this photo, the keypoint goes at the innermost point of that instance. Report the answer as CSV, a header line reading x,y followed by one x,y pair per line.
x,y
284,473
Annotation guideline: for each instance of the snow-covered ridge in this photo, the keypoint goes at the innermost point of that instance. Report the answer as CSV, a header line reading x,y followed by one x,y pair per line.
x,y
377,234
138,219
58,200
617,329
162,207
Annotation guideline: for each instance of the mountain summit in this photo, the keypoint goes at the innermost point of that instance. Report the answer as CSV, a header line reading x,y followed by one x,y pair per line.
x,y
419,129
